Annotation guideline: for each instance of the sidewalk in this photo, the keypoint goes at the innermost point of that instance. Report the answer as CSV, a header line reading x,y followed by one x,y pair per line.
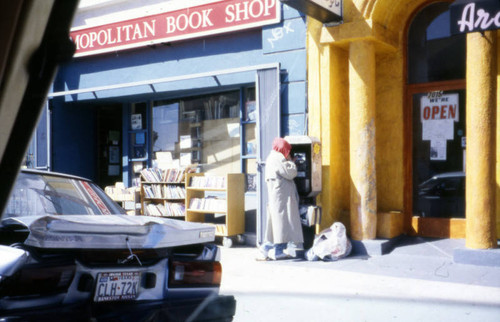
x,y
419,275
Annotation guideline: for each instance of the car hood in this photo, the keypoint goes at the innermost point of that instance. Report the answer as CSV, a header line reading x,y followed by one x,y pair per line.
x,y
111,231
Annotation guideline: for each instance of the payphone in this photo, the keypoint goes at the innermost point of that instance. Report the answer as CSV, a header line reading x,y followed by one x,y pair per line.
x,y
306,151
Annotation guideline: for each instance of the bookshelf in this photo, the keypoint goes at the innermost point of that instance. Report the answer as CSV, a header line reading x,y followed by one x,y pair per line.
x,y
210,198
127,198
163,192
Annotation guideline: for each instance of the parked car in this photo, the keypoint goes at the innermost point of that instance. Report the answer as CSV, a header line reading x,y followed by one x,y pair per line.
x,y
69,252
442,196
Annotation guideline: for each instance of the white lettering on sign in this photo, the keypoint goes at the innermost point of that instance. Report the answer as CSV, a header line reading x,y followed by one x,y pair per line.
x,y
115,35
480,19
247,9
190,22
194,20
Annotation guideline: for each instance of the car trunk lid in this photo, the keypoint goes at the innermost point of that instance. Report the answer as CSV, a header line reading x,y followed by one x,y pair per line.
x,y
111,232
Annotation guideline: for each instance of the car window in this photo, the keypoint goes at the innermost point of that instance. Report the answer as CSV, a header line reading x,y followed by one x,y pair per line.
x,y
39,195
450,184
429,184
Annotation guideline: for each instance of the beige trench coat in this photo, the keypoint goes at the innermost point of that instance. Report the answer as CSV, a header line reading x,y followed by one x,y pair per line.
x,y
283,218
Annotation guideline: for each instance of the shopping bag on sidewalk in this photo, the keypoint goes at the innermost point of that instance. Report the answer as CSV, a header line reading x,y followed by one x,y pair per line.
x,y
330,244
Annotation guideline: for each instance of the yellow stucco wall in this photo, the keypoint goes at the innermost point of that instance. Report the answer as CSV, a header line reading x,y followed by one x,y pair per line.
x,y
498,138
382,22
390,149
329,121
481,102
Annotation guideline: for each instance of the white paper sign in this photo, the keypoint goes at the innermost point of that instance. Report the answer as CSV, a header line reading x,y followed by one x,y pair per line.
x,y
185,142
438,114
438,150
185,159
444,107
136,121
437,130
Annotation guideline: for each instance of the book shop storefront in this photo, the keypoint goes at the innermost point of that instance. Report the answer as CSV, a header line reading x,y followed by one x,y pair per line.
x,y
166,85
403,96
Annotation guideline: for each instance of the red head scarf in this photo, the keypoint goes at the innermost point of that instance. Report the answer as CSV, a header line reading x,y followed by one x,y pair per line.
x,y
281,145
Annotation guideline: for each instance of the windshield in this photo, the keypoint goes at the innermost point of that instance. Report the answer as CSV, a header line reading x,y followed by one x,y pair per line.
x,y
40,194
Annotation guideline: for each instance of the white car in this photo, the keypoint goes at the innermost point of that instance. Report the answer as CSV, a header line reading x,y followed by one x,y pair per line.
x,y
68,252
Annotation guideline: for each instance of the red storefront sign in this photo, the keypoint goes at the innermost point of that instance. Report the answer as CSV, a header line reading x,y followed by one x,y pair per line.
x,y
192,22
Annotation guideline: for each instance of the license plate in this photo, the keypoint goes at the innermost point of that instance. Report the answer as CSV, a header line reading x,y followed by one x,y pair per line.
x,y
117,286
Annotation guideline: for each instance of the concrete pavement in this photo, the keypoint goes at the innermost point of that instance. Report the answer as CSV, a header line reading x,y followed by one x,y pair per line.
x,y
417,281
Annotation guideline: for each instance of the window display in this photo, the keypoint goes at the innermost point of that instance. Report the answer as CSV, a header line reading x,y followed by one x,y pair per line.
x,y
201,130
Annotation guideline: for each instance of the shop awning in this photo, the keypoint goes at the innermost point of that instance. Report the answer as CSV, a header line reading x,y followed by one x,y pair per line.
x,y
218,78
473,16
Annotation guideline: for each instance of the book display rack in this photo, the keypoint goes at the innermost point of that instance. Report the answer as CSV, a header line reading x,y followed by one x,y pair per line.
x,y
163,192
218,200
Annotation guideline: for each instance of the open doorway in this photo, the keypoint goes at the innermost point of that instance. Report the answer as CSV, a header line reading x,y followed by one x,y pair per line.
x,y
109,142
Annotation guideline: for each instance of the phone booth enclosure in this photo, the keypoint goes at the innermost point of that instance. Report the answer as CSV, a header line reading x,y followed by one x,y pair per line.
x,y
307,153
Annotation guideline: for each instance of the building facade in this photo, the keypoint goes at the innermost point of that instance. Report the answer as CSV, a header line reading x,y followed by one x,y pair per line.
x,y
406,147
406,109
153,82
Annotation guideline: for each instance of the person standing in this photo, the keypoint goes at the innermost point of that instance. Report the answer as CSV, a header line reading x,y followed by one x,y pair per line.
x,y
283,234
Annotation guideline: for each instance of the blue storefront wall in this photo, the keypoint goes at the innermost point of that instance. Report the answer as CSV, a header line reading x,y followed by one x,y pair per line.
x,y
73,117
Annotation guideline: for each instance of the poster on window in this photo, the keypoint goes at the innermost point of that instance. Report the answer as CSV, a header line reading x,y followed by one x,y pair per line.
x,y
438,114
438,150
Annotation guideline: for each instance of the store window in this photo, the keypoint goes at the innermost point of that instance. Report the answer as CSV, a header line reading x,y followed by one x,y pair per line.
x,y
249,140
436,90
37,155
202,130
434,55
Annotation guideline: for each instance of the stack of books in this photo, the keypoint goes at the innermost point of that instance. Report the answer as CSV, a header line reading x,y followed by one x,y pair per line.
x,y
218,182
165,210
208,204
157,191
173,175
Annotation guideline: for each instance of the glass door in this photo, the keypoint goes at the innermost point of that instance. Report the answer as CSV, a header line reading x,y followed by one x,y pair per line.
x,y
435,138
439,154
438,162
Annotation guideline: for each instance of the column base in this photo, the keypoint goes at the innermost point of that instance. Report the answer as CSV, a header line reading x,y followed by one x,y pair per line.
x,y
374,247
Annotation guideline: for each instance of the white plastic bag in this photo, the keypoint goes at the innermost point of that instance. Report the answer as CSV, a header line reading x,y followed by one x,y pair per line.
x,y
331,244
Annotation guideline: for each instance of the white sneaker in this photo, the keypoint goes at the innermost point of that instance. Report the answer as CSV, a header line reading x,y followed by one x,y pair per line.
x,y
272,255
264,250
290,251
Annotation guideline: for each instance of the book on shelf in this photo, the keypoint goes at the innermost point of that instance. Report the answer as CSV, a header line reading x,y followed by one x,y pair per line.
x,y
159,191
208,204
171,175
151,174
175,175
217,182
165,210
174,192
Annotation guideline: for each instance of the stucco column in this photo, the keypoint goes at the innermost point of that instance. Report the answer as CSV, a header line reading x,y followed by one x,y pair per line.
x,y
481,72
363,206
